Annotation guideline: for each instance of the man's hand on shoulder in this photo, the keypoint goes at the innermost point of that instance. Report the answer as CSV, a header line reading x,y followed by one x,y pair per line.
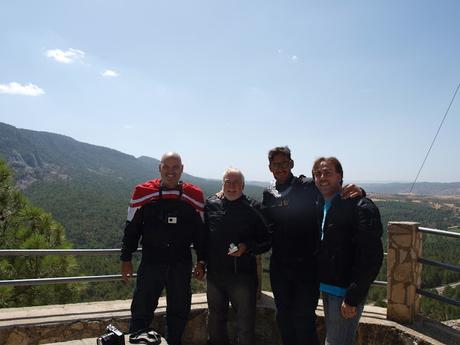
x,y
351,191
220,194
126,270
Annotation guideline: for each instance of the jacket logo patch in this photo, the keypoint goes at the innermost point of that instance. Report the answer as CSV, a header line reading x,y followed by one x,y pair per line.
x,y
282,203
172,220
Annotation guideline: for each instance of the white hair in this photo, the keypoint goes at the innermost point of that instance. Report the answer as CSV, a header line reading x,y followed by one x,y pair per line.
x,y
233,170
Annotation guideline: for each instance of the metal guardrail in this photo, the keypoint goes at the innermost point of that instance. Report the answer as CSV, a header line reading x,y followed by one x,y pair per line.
x,y
116,277
439,232
81,279
443,265
440,298
44,252
439,264
60,280
380,283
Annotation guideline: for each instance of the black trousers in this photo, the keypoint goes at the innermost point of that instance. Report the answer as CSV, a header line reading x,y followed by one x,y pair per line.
x,y
151,280
241,291
296,293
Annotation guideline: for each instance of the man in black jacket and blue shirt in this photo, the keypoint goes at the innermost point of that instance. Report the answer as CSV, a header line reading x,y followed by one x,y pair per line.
x,y
350,252
236,232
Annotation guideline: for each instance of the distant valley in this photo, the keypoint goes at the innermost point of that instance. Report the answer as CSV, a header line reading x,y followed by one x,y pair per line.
x,y
420,188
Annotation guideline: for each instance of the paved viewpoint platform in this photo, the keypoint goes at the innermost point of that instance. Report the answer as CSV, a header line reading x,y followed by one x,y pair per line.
x,y
80,324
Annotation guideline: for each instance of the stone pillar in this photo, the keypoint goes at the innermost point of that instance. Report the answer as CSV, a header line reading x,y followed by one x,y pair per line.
x,y
403,271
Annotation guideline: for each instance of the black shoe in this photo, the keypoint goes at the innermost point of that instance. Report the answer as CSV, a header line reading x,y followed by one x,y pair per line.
x,y
145,336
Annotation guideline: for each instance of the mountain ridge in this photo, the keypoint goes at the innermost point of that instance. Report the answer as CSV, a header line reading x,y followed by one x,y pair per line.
x,y
40,154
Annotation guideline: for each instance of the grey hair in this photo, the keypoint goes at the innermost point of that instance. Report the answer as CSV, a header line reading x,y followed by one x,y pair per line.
x,y
233,170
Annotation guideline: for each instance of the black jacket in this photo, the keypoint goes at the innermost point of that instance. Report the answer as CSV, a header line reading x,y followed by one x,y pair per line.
x,y
167,228
291,211
235,222
351,252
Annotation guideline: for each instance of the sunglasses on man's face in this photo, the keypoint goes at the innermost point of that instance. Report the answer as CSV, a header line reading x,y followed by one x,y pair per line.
x,y
280,165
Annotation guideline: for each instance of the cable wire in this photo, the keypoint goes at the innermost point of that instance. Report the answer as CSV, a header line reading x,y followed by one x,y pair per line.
x,y
434,139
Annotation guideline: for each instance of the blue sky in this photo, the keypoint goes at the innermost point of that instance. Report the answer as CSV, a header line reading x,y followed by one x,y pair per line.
x,y
222,82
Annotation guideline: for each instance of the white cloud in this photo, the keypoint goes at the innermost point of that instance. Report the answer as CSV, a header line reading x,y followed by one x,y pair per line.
x,y
127,126
288,55
69,56
14,88
110,73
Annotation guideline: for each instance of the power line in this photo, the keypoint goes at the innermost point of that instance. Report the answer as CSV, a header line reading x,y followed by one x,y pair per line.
x,y
434,139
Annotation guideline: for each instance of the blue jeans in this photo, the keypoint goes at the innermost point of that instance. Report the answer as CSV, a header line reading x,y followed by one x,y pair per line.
x,y
151,280
241,291
339,331
296,297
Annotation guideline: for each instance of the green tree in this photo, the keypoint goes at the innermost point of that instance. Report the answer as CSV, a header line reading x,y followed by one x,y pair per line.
x,y
23,226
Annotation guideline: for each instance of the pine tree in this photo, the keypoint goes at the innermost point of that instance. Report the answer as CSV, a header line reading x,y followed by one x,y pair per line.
x,y
23,226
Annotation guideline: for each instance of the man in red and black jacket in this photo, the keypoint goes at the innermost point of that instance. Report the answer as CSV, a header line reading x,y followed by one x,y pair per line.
x,y
166,216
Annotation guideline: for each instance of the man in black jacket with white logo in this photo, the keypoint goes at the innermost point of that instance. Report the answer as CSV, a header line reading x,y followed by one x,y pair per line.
x,y
350,252
236,232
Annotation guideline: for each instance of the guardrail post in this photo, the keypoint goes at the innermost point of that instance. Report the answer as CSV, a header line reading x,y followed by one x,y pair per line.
x,y
403,271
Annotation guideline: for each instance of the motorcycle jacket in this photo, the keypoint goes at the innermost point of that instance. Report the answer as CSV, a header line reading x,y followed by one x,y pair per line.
x,y
290,209
350,252
166,222
228,222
